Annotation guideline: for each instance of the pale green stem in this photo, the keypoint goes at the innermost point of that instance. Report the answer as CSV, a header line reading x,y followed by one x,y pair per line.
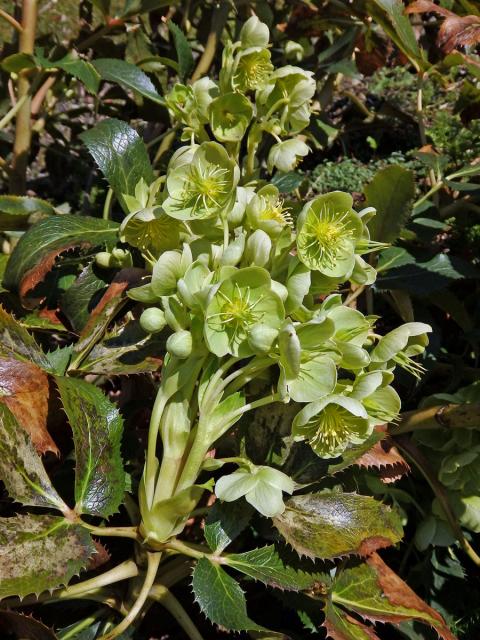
x,y
153,560
116,532
13,111
162,595
80,626
107,207
123,571
157,411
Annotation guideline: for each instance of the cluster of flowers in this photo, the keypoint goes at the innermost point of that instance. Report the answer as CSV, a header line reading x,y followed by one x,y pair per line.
x,y
236,281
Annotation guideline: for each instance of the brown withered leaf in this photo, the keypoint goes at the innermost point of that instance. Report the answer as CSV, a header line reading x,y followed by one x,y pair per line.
x,y
24,389
101,557
23,626
456,31
385,457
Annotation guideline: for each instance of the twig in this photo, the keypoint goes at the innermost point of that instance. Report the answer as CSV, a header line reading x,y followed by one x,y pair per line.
x,y
219,18
11,20
450,416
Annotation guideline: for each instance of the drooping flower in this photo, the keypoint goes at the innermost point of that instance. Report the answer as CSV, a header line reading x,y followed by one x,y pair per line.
x,y
254,33
331,424
399,346
230,115
262,487
327,231
286,155
241,301
266,211
203,188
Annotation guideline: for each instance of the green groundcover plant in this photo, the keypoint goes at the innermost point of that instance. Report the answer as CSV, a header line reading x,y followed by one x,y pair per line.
x,y
239,291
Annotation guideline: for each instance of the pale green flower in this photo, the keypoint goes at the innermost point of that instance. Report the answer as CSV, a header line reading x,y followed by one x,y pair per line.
x,y
327,231
230,115
254,33
251,69
241,301
286,155
151,230
261,486
266,211
331,424
398,347
203,188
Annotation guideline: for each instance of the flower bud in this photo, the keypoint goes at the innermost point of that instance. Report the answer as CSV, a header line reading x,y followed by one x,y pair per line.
x,y
152,320
233,253
103,259
262,337
257,251
180,344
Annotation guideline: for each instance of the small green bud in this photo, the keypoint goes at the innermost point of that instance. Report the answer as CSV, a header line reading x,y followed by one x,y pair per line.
x,y
262,337
180,344
257,251
152,320
103,259
233,253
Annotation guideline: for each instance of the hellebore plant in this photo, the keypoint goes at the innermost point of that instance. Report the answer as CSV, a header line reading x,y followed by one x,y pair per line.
x,y
245,296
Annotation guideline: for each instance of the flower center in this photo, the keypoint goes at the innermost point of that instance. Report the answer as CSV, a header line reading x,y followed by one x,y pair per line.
x,y
238,311
253,70
331,428
205,187
324,235
274,210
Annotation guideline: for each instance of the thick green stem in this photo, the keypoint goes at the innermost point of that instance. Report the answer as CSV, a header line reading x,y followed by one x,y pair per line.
x,y
23,126
152,568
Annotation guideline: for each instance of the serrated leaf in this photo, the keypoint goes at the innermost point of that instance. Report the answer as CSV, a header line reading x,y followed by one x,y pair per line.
x,y
38,248
120,154
97,432
391,192
128,75
423,278
16,342
17,62
124,352
375,592
24,389
21,469
332,524
80,299
225,521
341,626
266,565
17,212
24,626
40,552
220,597
184,52
74,66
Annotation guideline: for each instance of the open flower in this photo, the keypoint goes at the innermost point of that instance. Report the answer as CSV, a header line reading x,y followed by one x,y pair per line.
x,y
252,68
241,302
203,188
261,486
331,424
399,346
230,115
328,229
265,211
151,230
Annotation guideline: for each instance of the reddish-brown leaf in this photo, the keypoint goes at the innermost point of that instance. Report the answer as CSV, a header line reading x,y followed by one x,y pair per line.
x,y
18,625
425,6
339,625
24,389
37,274
101,557
458,31
385,457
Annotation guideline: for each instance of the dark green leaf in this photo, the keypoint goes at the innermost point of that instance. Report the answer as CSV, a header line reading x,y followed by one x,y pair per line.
x,y
78,300
267,566
391,192
35,253
59,359
73,65
16,342
423,278
220,597
40,552
23,626
18,61
120,154
333,524
128,75
401,23
287,182
373,591
225,521
97,432
17,212
184,52
21,469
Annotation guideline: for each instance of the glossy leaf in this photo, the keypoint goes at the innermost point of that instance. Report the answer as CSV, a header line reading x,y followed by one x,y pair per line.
x,y
38,248
266,565
80,299
120,154
16,342
74,66
333,524
373,591
225,521
220,597
24,389
184,52
40,552
391,192
21,469
17,212
128,75
97,431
